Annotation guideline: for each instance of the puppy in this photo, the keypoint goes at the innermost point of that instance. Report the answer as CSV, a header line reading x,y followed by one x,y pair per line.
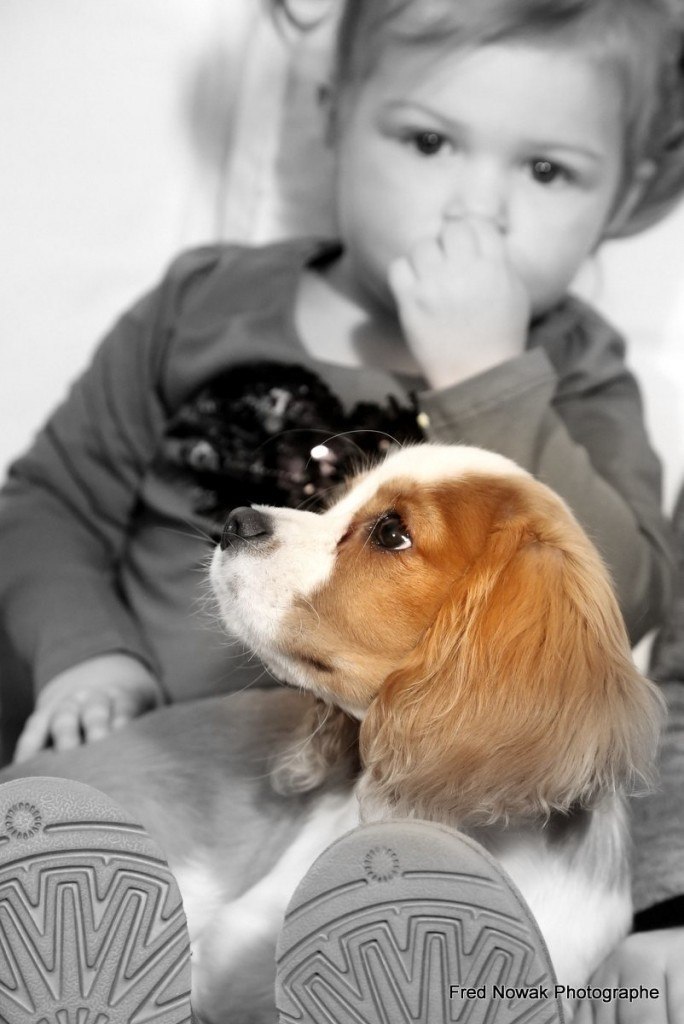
x,y
462,659
452,605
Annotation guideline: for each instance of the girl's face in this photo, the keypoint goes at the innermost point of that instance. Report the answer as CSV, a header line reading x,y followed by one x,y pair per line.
x,y
528,137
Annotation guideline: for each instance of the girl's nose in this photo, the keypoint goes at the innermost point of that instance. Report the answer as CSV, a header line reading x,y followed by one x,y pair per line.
x,y
480,193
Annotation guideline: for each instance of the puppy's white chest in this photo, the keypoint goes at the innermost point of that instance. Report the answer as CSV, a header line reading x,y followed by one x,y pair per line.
x,y
233,938
260,910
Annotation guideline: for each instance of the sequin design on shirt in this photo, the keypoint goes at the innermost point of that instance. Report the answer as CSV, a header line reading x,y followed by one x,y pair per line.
x,y
276,434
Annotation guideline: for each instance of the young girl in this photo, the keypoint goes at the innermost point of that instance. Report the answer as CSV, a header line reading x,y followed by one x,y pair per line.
x,y
483,150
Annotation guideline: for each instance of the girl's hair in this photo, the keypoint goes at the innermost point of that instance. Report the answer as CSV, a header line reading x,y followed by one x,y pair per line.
x,y
641,41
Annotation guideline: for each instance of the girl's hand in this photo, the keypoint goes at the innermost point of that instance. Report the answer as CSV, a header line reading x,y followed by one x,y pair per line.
x,y
87,702
652,959
462,306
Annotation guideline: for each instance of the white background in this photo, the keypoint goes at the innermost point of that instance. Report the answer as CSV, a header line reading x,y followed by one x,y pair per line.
x,y
132,128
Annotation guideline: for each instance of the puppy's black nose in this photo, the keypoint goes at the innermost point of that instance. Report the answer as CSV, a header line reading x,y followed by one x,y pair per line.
x,y
246,524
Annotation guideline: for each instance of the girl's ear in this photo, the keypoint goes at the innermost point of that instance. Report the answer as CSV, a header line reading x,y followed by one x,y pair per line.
x,y
618,225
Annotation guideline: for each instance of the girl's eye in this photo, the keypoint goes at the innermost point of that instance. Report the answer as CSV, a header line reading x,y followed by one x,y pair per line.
x,y
546,172
428,143
391,534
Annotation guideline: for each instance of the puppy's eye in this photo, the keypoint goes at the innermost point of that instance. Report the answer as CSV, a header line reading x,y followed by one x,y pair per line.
x,y
391,534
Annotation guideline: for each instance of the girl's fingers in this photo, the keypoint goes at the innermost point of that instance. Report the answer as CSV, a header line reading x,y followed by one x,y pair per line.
x,y
65,728
473,236
427,259
96,719
400,275
33,737
489,240
89,714
121,718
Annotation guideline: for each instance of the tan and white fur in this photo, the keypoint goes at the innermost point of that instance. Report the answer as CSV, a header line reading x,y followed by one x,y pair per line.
x,y
485,658
476,673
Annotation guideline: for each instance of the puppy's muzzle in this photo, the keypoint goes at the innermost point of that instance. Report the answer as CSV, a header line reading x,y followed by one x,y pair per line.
x,y
246,526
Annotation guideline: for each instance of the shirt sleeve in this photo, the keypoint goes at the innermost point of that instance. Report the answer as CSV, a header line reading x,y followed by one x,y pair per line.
x,y
66,506
569,411
658,816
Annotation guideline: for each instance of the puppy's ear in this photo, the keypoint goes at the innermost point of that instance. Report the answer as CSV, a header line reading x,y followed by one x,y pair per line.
x,y
324,749
522,697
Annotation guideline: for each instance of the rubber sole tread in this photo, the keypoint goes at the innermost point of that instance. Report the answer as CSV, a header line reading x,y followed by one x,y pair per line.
x,y
396,921
92,929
